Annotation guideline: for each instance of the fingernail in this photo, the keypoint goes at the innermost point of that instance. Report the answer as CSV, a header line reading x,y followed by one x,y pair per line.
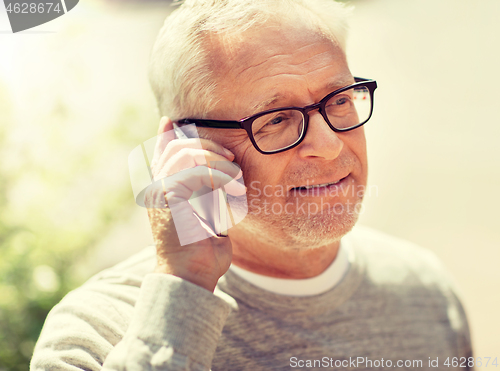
x,y
228,152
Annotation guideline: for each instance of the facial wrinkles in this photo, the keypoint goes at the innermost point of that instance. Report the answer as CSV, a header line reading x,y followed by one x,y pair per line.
x,y
315,65
273,102
269,67
282,99
244,56
293,229
300,76
243,155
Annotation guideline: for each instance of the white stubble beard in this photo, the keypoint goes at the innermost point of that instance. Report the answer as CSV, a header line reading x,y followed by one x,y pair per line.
x,y
308,231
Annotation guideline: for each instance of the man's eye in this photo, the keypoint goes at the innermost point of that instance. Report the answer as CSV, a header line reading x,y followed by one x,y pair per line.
x,y
276,120
336,101
341,101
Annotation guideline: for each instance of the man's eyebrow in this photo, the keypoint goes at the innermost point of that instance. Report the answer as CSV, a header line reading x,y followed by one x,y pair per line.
x,y
340,83
334,85
262,106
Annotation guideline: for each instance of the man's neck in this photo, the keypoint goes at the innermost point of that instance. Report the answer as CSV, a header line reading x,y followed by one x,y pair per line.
x,y
255,255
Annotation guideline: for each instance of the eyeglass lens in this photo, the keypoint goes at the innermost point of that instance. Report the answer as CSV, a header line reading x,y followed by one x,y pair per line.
x,y
282,129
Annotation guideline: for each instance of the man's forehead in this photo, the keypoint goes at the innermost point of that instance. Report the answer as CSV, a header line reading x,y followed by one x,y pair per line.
x,y
230,52
261,70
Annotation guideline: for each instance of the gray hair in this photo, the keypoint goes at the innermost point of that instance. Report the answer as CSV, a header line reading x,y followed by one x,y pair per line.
x,y
180,73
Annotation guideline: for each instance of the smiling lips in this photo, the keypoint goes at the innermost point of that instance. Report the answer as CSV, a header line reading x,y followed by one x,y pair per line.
x,y
323,186
320,185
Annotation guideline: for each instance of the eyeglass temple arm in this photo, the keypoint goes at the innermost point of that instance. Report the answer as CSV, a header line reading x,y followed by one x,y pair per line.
x,y
361,79
226,124
218,124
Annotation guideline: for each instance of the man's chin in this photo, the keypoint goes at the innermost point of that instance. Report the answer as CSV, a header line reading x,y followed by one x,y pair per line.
x,y
302,230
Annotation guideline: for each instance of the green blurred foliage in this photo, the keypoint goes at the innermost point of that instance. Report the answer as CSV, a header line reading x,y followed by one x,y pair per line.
x,y
57,200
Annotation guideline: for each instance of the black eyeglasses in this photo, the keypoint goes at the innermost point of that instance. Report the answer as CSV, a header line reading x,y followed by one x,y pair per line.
x,y
281,129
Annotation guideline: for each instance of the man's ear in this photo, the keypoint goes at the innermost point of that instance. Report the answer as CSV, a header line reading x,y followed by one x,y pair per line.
x,y
165,125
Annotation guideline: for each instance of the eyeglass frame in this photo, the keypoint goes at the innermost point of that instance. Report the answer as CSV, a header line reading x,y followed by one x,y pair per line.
x,y
246,123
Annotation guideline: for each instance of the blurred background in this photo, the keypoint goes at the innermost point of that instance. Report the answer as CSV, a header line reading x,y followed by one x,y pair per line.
x,y
74,101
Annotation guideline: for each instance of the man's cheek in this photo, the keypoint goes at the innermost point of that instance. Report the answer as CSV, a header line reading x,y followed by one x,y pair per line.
x,y
254,190
265,198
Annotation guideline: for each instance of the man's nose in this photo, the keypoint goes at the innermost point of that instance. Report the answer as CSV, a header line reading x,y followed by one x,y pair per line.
x,y
320,140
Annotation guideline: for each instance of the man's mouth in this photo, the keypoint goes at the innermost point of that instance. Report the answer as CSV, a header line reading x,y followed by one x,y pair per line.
x,y
319,185
321,188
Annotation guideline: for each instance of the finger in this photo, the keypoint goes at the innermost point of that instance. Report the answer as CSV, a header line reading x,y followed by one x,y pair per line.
x,y
175,146
189,158
212,146
186,227
235,188
180,187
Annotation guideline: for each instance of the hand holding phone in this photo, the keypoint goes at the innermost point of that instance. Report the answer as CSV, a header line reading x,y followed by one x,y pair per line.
x,y
209,205
189,173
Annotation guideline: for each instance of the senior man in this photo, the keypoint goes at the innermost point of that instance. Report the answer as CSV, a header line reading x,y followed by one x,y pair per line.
x,y
268,87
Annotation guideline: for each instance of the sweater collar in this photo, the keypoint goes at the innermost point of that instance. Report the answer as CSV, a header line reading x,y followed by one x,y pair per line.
x,y
248,294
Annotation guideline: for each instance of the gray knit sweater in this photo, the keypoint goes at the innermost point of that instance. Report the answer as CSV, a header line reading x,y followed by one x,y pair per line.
x,y
396,308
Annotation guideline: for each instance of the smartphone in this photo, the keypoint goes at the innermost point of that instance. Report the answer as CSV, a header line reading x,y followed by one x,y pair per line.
x,y
209,205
